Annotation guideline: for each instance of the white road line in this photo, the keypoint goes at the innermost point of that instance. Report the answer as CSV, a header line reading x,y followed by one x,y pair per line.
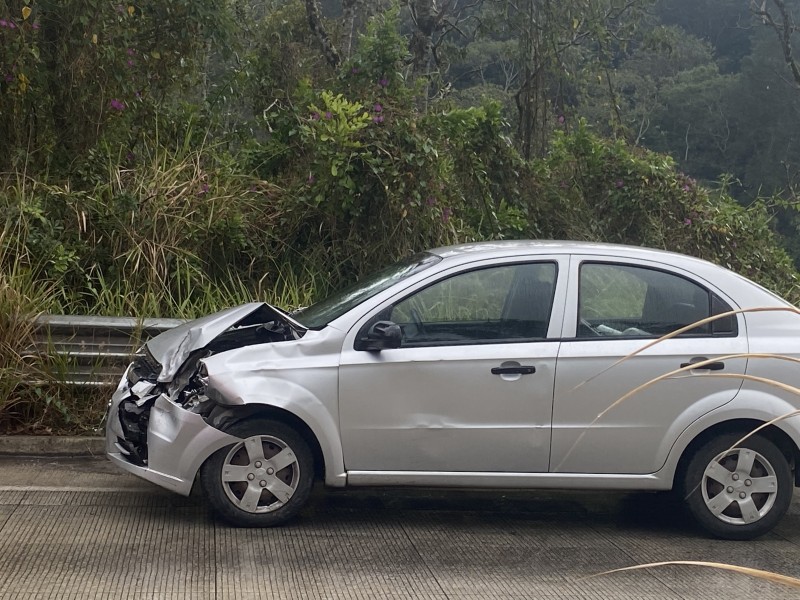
x,y
48,488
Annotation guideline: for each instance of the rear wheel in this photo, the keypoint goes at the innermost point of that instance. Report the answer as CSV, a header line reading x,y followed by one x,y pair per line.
x,y
738,493
263,480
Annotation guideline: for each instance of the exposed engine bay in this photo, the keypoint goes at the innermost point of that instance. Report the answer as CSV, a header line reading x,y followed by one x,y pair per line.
x,y
146,380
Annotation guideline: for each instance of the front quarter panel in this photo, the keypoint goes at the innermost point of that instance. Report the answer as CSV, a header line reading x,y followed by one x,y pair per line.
x,y
300,378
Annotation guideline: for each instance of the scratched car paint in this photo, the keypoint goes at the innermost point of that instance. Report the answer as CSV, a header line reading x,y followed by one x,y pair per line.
x,y
494,365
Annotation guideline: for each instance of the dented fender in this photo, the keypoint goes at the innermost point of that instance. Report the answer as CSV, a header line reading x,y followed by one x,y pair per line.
x,y
309,393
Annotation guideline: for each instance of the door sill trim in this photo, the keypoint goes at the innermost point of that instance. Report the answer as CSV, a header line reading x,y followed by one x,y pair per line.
x,y
575,481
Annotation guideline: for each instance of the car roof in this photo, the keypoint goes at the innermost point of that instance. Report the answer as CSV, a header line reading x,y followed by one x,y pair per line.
x,y
510,247
756,294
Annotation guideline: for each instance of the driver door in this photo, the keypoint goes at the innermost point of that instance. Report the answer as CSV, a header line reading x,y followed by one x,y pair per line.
x,y
470,389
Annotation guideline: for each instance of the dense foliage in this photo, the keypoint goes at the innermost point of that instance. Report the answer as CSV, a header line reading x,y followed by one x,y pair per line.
x,y
168,159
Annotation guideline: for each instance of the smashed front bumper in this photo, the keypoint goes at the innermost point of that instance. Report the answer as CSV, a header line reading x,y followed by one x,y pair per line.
x,y
156,439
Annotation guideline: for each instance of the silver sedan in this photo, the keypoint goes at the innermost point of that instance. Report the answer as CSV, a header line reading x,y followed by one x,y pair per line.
x,y
493,365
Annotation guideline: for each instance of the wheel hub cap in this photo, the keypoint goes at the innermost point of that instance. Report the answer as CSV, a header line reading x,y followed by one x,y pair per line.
x,y
739,486
260,474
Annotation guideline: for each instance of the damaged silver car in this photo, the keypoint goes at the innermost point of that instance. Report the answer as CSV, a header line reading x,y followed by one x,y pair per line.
x,y
494,365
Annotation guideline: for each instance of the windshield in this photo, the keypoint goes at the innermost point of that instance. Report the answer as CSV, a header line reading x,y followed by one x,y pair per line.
x,y
333,307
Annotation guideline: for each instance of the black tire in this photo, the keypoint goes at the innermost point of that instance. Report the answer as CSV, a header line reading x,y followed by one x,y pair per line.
x,y
248,490
717,486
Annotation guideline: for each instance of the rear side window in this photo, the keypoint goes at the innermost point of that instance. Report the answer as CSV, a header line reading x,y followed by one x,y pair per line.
x,y
631,301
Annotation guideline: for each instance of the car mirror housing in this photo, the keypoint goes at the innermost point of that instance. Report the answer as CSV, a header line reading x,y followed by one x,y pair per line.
x,y
380,336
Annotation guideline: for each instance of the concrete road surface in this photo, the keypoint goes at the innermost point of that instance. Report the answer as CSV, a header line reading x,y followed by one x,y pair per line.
x,y
77,528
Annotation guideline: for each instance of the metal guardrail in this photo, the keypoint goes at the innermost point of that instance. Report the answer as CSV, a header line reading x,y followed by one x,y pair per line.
x,y
92,351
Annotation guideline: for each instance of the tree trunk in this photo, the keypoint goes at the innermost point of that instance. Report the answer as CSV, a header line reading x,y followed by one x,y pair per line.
x,y
531,93
421,45
349,9
318,29
784,28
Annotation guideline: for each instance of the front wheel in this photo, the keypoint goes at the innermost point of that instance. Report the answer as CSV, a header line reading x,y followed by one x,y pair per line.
x,y
263,480
737,493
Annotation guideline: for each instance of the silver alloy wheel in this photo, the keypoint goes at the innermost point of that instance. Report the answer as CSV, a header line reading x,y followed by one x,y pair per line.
x,y
260,474
739,486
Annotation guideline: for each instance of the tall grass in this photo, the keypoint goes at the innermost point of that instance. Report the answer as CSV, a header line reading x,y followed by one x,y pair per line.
x,y
172,232
22,297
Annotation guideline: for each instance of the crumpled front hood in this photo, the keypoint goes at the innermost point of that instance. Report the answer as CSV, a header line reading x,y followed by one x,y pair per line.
x,y
173,347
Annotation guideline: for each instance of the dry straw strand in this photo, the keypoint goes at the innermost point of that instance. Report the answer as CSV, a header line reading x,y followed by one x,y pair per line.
x,y
750,572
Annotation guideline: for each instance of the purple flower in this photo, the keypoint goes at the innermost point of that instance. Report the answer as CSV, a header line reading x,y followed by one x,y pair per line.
x,y
130,63
377,119
35,26
561,119
687,221
431,201
130,51
329,115
3,23
9,78
138,94
355,70
203,189
130,157
446,213
315,116
12,25
619,183
687,188
117,104
377,108
383,82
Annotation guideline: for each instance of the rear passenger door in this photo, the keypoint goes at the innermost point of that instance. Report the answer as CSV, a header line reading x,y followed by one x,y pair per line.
x,y
614,308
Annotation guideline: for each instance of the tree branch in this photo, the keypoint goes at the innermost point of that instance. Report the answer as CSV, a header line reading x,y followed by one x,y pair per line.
x,y
783,29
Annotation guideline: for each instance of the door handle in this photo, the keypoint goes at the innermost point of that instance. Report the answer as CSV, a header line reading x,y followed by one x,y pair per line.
x,y
714,366
520,370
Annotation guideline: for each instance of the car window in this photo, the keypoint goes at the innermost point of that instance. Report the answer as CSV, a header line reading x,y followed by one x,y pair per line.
x,y
631,301
511,302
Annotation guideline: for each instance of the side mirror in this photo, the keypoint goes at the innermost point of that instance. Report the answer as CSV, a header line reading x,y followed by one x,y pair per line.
x,y
380,336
